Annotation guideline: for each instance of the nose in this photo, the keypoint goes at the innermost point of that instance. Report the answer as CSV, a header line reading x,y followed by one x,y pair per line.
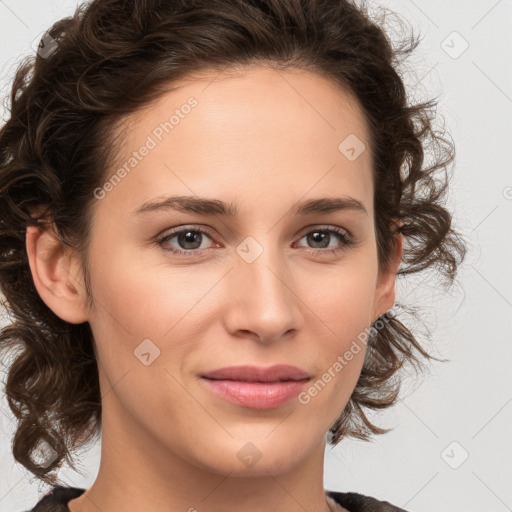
x,y
264,302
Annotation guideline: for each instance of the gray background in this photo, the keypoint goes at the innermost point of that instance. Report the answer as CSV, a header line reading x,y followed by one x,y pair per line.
x,y
451,448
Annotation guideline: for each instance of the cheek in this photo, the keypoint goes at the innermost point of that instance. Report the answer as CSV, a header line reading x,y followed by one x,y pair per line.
x,y
343,312
137,302
142,298
344,300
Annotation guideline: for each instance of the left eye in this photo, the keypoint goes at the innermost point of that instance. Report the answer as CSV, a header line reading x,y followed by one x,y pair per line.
x,y
320,236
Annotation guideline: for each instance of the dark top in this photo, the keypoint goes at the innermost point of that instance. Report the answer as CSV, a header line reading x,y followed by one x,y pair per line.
x,y
56,501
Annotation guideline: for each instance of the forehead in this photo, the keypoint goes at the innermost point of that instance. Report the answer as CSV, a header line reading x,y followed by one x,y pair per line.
x,y
245,99
248,129
247,90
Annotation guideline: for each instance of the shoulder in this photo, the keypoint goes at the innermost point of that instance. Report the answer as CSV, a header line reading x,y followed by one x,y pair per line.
x,y
56,499
355,502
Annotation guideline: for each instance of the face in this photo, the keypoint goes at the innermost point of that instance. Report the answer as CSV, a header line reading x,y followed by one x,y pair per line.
x,y
185,289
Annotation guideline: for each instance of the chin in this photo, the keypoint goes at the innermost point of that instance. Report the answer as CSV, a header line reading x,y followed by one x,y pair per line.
x,y
258,457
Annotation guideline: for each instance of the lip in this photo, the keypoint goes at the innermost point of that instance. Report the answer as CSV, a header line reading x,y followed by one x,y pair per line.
x,y
256,387
275,373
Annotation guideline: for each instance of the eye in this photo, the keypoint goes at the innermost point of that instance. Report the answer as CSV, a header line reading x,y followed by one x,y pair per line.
x,y
189,240
192,241
320,238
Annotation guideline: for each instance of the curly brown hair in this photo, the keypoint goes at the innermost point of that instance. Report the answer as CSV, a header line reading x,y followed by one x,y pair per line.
x,y
58,144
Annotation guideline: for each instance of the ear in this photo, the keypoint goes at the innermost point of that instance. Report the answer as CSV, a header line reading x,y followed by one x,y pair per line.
x,y
385,291
53,267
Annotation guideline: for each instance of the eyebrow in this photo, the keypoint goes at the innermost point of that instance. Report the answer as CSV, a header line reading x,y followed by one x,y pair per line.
x,y
205,206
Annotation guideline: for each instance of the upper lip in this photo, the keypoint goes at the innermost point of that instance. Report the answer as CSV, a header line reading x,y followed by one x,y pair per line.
x,y
275,373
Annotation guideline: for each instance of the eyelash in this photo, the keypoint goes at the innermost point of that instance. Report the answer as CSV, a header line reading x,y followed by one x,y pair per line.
x,y
345,238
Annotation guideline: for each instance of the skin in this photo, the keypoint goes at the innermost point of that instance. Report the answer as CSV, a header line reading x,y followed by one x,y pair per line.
x,y
263,139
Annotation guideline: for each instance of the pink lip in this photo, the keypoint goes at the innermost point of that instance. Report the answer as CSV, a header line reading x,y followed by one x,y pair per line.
x,y
256,395
273,373
256,387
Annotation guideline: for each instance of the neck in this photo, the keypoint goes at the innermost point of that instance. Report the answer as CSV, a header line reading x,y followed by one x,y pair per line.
x,y
147,475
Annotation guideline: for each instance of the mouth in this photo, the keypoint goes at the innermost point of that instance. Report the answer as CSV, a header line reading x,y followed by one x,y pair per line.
x,y
256,387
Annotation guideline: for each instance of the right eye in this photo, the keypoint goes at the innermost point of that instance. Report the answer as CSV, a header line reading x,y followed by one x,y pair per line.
x,y
190,240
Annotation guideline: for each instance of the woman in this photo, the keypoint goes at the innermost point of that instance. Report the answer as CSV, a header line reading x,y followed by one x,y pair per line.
x,y
205,207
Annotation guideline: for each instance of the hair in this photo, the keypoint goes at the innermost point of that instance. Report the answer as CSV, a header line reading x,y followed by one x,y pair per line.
x,y
113,57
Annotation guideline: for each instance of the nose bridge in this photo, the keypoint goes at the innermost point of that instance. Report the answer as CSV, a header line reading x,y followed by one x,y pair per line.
x,y
266,302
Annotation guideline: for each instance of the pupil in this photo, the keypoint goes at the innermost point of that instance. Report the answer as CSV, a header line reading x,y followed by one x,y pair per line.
x,y
319,237
188,237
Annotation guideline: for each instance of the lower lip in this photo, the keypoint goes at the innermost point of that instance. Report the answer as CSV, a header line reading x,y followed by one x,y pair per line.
x,y
256,395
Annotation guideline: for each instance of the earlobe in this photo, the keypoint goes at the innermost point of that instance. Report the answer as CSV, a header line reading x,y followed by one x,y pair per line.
x,y
52,267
